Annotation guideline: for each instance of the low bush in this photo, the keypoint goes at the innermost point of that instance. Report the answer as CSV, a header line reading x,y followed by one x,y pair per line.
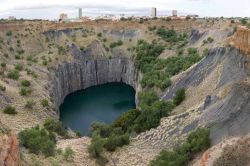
x,y
10,110
25,83
210,39
96,147
179,96
55,126
25,91
9,33
30,104
99,34
38,141
197,141
3,65
167,34
61,50
68,154
115,141
45,103
2,88
147,98
126,119
205,52
14,74
116,44
101,129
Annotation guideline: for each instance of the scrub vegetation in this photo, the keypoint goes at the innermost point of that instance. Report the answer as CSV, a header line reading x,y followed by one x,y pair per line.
x,y
197,141
43,139
156,74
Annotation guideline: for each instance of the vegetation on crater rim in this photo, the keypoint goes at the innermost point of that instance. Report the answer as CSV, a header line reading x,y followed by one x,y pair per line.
x,y
156,73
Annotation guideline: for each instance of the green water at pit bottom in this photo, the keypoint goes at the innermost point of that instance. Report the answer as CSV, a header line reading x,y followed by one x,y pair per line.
x,y
103,103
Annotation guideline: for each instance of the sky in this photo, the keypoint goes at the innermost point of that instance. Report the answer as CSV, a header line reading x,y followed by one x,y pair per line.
x,y
50,9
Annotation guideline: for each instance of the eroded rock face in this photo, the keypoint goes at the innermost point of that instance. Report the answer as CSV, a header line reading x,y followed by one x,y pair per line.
x,y
241,39
89,69
9,150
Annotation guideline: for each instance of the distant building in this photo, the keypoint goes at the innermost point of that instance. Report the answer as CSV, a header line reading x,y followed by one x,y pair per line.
x,y
63,17
11,18
193,16
153,12
80,12
174,13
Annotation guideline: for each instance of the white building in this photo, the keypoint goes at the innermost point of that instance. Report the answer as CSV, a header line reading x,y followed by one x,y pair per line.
x,y
153,12
11,18
174,13
80,13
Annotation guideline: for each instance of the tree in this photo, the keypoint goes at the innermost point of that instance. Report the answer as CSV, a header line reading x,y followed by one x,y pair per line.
x,y
38,140
179,96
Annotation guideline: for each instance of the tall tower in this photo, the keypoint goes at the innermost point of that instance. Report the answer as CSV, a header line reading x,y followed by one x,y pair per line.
x,y
80,12
153,12
174,13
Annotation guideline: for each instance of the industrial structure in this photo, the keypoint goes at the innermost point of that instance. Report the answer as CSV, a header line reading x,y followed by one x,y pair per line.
x,y
153,12
80,13
174,13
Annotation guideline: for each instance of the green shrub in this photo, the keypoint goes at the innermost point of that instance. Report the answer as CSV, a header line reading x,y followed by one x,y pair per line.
x,y
167,34
25,91
61,50
151,115
21,51
29,104
115,141
99,34
116,44
197,141
179,96
38,140
210,40
25,83
18,67
45,103
14,74
2,88
96,147
147,98
243,21
55,126
205,52
10,110
101,129
68,154
3,65
9,33
170,158
126,119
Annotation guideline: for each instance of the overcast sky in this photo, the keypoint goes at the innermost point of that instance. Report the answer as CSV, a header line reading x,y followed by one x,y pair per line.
x,y
50,9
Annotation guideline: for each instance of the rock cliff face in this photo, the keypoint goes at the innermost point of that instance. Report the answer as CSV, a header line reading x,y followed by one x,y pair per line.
x,y
9,150
91,67
241,39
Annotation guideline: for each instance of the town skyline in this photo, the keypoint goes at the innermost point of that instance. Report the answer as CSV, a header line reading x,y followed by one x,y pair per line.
x,y
50,9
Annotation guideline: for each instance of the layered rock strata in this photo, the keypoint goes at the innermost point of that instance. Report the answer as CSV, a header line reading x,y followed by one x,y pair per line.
x,y
90,69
